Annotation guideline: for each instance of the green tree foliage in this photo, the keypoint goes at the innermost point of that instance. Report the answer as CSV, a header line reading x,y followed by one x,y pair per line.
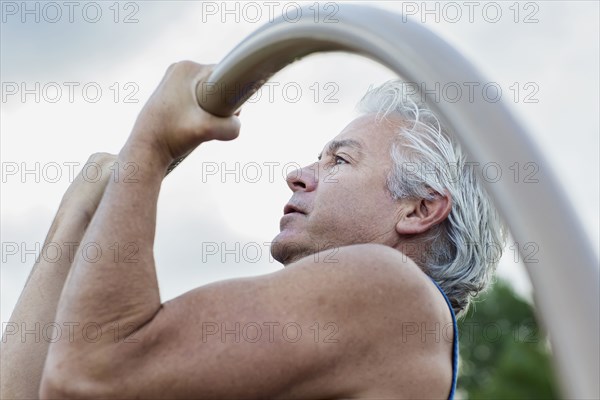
x,y
503,352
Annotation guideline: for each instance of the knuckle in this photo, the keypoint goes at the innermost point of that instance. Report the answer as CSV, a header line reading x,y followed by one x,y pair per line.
x,y
102,158
190,69
171,68
183,66
187,64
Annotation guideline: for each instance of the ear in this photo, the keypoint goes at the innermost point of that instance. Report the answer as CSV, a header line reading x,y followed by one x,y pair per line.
x,y
419,215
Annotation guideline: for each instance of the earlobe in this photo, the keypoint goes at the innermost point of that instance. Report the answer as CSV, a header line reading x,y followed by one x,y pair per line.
x,y
419,215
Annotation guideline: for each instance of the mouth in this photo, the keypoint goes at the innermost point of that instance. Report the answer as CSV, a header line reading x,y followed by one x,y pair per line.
x,y
290,208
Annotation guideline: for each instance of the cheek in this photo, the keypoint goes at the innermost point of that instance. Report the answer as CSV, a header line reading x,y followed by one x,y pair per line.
x,y
339,208
351,197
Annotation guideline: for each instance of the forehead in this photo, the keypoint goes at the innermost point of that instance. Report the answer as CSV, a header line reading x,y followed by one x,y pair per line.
x,y
375,136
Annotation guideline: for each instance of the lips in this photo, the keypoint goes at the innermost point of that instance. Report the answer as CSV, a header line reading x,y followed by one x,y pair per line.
x,y
292,208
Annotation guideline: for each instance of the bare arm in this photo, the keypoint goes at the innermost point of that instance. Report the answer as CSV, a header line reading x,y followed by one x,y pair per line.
x,y
120,294
23,356
192,346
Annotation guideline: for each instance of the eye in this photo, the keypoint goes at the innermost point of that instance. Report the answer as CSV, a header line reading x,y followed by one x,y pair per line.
x,y
339,160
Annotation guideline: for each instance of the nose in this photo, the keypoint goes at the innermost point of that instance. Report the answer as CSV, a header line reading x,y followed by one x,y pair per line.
x,y
304,179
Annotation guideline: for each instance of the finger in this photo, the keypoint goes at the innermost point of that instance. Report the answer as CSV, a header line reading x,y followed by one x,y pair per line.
x,y
224,129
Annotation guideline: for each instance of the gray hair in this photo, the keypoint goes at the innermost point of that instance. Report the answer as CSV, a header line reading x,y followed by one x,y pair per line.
x,y
462,252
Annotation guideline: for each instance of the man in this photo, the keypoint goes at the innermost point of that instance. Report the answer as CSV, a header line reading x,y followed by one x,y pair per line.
x,y
353,314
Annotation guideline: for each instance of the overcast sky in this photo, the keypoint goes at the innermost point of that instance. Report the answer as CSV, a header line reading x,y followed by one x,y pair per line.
x,y
74,80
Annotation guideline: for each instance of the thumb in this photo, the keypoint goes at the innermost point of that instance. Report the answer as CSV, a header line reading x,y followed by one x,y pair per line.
x,y
224,128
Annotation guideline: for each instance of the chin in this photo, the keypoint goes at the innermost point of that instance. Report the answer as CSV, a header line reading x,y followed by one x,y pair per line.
x,y
287,247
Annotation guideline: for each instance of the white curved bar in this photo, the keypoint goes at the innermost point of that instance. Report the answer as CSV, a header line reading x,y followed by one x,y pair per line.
x,y
566,278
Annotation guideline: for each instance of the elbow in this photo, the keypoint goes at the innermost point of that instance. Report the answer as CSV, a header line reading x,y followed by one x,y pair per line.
x,y
53,386
56,386
67,385
51,389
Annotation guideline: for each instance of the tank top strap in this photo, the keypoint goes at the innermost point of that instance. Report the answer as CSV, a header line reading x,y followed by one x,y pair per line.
x,y
454,343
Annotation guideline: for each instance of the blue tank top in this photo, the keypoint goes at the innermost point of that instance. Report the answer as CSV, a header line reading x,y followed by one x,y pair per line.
x,y
454,343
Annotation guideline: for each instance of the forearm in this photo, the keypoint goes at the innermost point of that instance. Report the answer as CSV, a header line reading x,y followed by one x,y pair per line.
x,y
32,324
118,289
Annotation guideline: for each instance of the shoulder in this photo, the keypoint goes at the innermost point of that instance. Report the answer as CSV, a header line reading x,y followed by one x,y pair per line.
x,y
375,278
372,269
394,310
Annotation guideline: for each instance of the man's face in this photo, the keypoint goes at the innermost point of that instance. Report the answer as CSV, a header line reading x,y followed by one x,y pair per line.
x,y
343,198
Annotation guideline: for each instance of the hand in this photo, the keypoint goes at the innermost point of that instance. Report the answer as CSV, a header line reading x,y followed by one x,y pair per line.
x,y
172,122
86,190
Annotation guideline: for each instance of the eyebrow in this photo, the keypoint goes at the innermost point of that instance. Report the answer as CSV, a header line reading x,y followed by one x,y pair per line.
x,y
335,145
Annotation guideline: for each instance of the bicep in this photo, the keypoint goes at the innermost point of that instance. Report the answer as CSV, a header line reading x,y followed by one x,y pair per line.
x,y
281,334
238,338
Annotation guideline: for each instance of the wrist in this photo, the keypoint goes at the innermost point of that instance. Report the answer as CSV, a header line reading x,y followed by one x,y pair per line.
x,y
146,154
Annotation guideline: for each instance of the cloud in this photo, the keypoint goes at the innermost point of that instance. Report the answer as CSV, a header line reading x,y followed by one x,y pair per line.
x,y
62,40
562,62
